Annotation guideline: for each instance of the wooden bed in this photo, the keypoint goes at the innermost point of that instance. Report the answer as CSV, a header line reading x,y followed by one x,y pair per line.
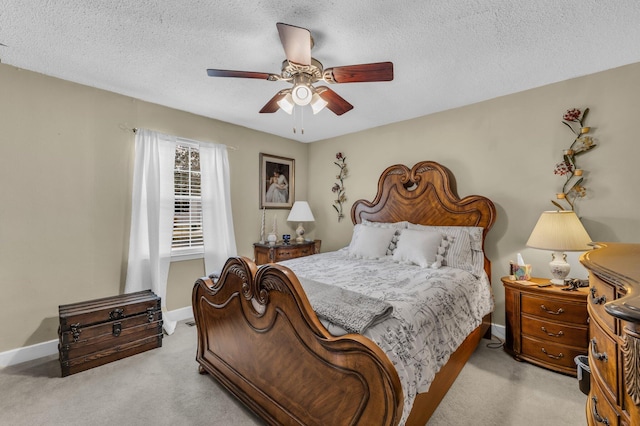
x,y
259,337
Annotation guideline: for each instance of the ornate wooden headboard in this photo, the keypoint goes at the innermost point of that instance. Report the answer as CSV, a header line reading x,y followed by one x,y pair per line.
x,y
425,194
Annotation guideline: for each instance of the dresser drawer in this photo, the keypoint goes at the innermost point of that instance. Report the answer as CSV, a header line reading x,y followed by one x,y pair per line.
x,y
557,332
603,352
599,294
557,310
551,353
599,409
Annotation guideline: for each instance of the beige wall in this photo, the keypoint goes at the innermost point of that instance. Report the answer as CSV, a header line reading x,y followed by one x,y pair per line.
x,y
66,170
506,149
66,167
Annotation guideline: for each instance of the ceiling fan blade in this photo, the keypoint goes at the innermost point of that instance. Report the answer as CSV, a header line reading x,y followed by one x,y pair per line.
x,y
272,105
296,42
239,74
335,102
379,71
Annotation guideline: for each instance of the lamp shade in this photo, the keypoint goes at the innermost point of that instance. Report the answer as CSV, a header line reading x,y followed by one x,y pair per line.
x,y
559,231
300,212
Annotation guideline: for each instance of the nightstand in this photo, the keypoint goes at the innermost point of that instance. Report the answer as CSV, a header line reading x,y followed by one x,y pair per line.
x,y
546,325
271,253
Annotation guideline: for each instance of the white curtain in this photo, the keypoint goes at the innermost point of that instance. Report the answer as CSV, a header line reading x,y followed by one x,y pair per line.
x,y
217,221
152,210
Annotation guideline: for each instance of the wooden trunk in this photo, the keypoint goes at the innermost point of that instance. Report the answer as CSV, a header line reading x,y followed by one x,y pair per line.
x,y
100,331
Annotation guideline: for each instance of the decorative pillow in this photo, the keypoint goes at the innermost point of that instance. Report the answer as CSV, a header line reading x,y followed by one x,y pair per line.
x,y
354,236
465,246
396,225
423,248
371,242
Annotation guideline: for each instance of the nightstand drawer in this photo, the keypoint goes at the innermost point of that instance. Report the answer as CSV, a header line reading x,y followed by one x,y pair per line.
x,y
557,332
292,252
557,310
269,253
550,353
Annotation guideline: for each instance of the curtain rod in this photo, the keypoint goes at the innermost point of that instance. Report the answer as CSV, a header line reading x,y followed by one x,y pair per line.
x,y
135,130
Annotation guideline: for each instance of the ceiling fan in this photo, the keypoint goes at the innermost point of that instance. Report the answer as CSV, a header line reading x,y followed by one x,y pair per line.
x,y
303,71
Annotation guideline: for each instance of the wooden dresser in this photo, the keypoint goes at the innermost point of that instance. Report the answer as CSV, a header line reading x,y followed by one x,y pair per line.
x,y
614,333
271,253
546,325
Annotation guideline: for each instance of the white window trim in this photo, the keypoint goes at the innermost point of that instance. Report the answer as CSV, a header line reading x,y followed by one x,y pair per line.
x,y
189,253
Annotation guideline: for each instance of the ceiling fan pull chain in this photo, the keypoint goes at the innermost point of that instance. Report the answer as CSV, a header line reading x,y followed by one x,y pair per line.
x,y
293,116
302,121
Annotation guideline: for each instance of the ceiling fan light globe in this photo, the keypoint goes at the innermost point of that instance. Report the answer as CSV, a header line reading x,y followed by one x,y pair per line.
x,y
301,94
317,103
286,104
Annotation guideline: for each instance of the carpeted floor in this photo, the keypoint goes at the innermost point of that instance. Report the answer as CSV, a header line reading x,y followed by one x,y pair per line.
x,y
163,387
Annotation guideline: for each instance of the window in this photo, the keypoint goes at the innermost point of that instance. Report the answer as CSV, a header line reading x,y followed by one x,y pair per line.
x,y
187,219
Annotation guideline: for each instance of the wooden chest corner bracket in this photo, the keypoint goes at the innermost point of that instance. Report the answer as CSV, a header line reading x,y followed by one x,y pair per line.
x,y
631,355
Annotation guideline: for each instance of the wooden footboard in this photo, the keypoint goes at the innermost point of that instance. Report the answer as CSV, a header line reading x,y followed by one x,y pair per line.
x,y
259,337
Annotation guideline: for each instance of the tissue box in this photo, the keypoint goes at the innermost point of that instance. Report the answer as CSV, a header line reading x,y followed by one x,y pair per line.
x,y
523,272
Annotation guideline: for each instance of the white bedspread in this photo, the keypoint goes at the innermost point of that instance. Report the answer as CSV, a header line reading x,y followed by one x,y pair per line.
x,y
433,310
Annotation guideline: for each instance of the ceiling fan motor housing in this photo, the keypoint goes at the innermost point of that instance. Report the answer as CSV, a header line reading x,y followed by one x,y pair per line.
x,y
302,91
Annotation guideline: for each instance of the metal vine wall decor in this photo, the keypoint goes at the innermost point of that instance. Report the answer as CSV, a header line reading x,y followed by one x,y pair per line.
x,y
338,187
573,188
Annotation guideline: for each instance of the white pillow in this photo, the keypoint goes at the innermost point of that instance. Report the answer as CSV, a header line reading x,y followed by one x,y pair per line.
x,y
354,236
397,225
423,248
371,242
465,246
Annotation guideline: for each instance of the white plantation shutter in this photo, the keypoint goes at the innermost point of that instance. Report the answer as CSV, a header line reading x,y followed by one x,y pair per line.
x,y
187,221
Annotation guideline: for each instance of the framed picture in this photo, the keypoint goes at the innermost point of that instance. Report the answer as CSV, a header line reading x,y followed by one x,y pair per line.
x,y
277,182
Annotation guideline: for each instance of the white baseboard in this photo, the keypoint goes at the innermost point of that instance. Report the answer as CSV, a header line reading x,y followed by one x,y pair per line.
x,y
28,353
180,314
39,350
499,331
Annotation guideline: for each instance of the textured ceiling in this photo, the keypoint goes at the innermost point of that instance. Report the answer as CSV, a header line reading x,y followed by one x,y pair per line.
x,y
445,53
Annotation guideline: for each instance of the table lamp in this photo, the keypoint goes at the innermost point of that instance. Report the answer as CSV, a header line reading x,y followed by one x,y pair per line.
x,y
300,212
559,231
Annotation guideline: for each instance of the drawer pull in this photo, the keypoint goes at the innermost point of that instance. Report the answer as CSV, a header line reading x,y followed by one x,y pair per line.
x,y
559,334
594,351
285,253
547,310
594,410
560,355
597,300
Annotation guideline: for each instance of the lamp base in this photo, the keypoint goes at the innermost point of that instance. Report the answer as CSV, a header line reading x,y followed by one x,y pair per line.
x,y
559,267
300,233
